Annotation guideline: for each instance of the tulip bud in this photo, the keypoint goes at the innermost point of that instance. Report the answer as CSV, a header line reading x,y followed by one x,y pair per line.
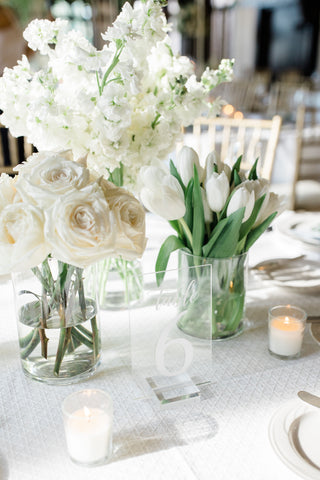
x,y
217,189
241,198
208,214
186,159
213,159
162,193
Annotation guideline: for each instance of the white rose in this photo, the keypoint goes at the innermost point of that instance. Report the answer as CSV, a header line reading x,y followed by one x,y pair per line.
x,y
80,228
7,190
129,216
45,175
22,242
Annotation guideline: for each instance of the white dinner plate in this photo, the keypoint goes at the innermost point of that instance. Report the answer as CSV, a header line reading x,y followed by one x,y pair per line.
x,y
304,227
308,437
300,274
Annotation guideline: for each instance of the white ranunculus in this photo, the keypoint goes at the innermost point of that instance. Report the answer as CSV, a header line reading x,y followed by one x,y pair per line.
x,y
162,193
46,174
217,189
129,218
186,159
22,242
80,228
241,197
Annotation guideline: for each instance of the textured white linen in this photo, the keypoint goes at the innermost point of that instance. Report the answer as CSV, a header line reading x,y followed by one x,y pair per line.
x,y
223,437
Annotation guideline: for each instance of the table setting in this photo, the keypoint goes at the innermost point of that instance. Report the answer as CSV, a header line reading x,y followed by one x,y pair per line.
x,y
160,318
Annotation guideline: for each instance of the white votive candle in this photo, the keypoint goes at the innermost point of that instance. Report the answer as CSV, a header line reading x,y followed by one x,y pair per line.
x,y
286,329
88,429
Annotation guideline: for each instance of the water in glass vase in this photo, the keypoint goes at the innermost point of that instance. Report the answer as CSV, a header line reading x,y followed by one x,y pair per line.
x,y
56,354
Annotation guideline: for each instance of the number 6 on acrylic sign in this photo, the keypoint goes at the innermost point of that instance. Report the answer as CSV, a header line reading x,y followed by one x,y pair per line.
x,y
164,359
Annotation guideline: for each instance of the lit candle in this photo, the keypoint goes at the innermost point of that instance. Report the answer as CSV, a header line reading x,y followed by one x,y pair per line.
x,y
88,429
286,329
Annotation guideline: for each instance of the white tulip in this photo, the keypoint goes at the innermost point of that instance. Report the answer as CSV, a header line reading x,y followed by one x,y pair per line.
x,y
22,243
217,188
162,193
213,159
186,159
208,214
241,198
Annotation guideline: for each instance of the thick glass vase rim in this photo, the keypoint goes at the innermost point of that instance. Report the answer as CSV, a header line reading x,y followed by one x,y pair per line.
x,y
240,255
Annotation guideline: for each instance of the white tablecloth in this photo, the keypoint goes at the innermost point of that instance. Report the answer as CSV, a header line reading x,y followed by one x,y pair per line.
x,y
223,437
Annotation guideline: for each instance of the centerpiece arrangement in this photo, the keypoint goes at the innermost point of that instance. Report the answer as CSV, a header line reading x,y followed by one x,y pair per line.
x,y
56,219
218,213
122,106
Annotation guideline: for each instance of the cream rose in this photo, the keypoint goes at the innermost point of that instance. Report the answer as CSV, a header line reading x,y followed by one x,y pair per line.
x,y
79,227
22,242
7,190
129,216
46,175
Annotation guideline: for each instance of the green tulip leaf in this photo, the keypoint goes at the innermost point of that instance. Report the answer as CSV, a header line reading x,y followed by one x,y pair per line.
x,y
253,172
226,242
256,232
174,172
188,202
235,168
198,230
246,226
171,244
236,178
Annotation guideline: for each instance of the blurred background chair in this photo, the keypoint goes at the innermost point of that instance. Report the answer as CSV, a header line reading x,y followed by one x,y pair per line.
x,y
12,150
231,137
306,184
285,97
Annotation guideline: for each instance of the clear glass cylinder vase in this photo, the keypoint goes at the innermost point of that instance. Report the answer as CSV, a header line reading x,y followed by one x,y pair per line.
x,y
120,283
229,281
58,323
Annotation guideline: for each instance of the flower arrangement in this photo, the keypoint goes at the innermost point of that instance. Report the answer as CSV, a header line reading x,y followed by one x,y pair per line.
x,y
123,106
216,212
55,208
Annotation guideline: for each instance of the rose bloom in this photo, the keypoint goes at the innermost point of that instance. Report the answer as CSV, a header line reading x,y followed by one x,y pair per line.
x,y
129,216
80,228
22,242
47,174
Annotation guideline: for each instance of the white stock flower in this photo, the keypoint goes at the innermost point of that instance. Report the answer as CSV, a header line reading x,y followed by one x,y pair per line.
x,y
217,189
79,227
187,158
129,221
162,194
22,242
46,175
241,197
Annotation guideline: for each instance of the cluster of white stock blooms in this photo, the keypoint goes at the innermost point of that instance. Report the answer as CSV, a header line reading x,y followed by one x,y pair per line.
x,y
123,106
57,206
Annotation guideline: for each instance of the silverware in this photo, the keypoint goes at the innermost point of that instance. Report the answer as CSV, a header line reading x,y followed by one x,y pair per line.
x,y
309,398
293,435
274,263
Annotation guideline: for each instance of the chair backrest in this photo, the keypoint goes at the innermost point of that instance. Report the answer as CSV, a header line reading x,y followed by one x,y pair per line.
x,y
285,97
230,137
12,150
307,165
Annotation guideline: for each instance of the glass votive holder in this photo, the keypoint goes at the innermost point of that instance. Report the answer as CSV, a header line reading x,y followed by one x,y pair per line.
x,y
286,325
88,425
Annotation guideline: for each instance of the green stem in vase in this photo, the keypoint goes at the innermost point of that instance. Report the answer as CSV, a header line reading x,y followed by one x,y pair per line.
x,y
82,338
95,336
35,340
65,335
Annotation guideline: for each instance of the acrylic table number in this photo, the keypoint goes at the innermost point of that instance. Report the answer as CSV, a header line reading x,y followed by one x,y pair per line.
x,y
167,363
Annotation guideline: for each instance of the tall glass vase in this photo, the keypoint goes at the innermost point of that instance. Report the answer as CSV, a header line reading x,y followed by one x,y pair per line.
x,y
58,325
229,278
